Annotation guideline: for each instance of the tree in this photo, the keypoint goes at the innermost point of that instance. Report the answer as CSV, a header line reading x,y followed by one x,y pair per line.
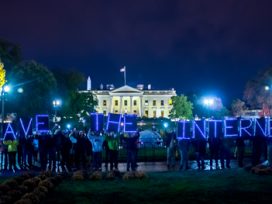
x,y
238,107
2,75
38,84
182,108
10,53
257,93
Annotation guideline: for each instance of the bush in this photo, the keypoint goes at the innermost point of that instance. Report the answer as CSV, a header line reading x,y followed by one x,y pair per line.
x,y
96,175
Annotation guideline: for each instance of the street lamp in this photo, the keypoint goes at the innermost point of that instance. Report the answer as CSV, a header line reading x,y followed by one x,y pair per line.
x,y
5,89
56,104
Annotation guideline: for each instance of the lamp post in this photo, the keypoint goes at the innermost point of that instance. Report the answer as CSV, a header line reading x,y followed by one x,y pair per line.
x,y
5,89
56,104
267,105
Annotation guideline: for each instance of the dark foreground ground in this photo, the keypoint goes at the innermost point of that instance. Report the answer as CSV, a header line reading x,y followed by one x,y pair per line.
x,y
192,186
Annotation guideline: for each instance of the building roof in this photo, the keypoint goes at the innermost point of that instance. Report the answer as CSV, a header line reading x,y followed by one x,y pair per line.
x,y
126,89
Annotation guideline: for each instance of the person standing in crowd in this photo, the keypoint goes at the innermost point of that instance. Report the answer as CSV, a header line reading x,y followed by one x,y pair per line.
x,y
113,145
51,147
131,141
199,144
240,151
58,145
225,145
107,152
3,156
73,137
170,142
214,151
97,140
21,150
29,150
65,152
43,138
183,146
80,151
35,143
12,145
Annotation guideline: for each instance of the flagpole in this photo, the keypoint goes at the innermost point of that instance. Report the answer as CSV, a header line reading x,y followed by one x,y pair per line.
x,y
125,75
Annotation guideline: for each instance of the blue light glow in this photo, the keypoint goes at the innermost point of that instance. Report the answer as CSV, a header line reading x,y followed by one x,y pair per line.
x,y
26,131
9,130
42,123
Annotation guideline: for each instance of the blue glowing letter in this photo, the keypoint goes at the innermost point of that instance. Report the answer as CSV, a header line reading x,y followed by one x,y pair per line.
x,y
215,130
184,130
260,128
231,125
245,124
28,130
97,121
42,123
200,126
9,130
114,121
130,123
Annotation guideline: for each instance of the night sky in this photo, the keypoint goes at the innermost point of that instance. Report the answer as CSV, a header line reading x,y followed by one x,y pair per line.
x,y
195,46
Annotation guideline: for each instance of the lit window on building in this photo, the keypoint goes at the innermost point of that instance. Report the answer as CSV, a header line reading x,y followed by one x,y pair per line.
x,y
146,102
162,102
154,114
162,114
116,102
125,102
146,113
104,103
170,102
135,103
154,102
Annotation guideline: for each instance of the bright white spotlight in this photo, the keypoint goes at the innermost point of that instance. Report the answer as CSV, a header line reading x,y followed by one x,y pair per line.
x,y
6,88
20,90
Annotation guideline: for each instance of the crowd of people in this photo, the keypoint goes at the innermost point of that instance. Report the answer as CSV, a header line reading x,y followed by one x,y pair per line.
x,y
219,150
67,150
74,150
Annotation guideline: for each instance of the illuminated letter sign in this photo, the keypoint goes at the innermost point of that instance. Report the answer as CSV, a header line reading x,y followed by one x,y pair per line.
x,y
230,128
9,132
260,128
215,128
28,130
130,123
42,123
269,121
97,121
245,127
199,129
184,131
113,123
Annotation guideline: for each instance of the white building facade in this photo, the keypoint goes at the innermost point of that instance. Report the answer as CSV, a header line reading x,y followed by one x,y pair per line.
x,y
126,99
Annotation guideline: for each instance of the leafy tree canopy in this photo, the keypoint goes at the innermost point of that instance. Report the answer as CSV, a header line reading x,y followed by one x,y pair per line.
x,y
182,108
258,93
38,84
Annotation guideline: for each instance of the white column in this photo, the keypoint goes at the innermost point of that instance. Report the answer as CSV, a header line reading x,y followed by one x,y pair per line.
x,y
110,109
131,112
140,106
121,104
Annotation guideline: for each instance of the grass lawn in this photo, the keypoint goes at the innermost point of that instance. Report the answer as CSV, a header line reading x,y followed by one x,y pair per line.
x,y
227,186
